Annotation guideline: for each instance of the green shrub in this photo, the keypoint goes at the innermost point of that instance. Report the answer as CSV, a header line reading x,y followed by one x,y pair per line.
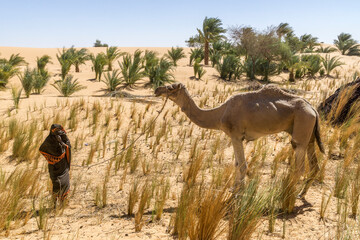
x,y
132,68
68,86
112,80
175,54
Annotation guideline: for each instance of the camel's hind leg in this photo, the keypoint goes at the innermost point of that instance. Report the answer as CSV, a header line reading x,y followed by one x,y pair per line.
x,y
303,129
314,166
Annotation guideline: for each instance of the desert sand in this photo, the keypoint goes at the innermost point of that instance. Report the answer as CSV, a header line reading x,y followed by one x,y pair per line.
x,y
82,219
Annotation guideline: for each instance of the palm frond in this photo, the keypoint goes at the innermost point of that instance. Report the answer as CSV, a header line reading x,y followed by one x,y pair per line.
x,y
68,86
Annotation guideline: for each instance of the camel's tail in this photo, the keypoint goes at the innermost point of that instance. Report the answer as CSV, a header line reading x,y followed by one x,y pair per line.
x,y
317,133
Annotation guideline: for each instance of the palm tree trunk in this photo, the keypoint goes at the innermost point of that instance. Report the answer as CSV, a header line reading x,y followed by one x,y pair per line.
x,y
77,69
206,52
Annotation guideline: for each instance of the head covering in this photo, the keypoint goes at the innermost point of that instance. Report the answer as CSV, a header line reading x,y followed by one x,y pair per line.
x,y
56,145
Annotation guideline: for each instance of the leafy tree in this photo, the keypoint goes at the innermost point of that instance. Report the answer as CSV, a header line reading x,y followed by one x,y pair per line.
x,y
132,68
259,48
98,61
347,45
67,86
112,80
175,54
330,63
99,44
211,31
112,54
271,50
246,40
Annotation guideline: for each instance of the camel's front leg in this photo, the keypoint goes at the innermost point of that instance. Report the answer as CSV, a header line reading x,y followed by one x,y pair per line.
x,y
240,163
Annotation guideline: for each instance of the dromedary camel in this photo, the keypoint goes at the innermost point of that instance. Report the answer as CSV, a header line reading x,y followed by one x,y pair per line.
x,y
254,114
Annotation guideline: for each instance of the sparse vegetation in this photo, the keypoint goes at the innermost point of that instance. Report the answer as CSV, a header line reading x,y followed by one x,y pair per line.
x,y
176,177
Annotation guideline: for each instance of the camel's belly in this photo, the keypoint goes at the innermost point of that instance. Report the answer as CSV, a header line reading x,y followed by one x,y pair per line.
x,y
268,118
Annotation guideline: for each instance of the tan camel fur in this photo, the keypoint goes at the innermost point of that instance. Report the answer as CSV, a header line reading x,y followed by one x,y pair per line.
x,y
248,116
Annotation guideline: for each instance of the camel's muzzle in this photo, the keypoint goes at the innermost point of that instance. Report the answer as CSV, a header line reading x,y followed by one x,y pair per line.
x,y
160,91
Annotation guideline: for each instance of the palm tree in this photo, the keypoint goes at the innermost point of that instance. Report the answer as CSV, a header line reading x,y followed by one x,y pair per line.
x,y
196,53
331,63
150,59
160,72
98,64
6,72
9,68
112,80
27,80
79,58
42,62
313,63
210,32
291,64
228,67
309,42
16,60
347,45
40,80
132,68
67,86
199,71
175,54
65,59
328,49
283,29
112,53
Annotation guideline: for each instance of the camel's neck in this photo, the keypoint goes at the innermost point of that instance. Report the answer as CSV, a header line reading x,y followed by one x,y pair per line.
x,y
210,118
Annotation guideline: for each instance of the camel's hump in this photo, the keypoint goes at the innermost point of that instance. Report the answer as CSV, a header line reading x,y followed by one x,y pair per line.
x,y
273,89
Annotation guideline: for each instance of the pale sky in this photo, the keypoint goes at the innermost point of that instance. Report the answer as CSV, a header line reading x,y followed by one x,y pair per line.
x,y
165,23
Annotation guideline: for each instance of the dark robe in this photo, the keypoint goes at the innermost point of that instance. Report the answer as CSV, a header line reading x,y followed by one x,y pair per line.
x,y
57,150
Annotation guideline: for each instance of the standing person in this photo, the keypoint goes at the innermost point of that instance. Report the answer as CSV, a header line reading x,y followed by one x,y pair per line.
x,y
57,150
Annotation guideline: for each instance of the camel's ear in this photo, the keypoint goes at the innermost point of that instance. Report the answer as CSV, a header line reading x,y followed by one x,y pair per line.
x,y
180,86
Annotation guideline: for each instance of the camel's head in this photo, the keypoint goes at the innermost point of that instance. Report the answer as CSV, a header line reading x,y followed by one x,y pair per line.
x,y
170,91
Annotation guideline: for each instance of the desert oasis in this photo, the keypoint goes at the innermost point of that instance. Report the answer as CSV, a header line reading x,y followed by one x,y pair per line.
x,y
244,134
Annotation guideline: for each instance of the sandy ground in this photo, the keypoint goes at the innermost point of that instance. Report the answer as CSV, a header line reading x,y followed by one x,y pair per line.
x,y
83,220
